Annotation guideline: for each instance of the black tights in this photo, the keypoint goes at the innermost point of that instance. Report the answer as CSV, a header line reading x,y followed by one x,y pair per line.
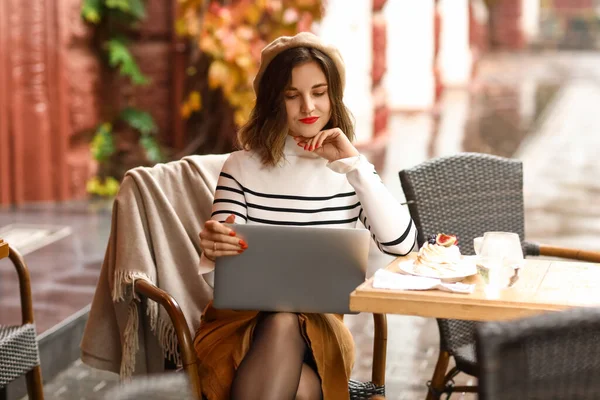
x,y
275,366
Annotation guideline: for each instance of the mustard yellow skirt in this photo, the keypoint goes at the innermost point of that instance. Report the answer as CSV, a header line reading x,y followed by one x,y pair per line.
x,y
224,337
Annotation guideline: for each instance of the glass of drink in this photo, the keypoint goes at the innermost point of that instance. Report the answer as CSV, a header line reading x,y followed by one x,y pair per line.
x,y
499,257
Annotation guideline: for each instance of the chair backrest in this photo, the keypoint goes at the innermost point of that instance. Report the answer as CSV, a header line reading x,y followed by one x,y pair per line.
x,y
465,194
550,356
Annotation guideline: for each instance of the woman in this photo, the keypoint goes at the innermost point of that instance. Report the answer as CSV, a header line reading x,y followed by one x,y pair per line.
x,y
298,167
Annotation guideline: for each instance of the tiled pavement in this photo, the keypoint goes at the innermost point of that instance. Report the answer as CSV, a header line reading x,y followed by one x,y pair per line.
x,y
63,273
560,195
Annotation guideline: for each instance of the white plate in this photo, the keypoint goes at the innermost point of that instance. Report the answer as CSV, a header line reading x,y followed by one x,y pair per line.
x,y
467,268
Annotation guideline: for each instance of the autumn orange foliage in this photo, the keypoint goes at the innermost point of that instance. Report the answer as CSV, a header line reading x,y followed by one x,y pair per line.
x,y
232,34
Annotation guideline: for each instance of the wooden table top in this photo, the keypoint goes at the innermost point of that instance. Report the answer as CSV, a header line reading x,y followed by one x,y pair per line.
x,y
3,249
543,286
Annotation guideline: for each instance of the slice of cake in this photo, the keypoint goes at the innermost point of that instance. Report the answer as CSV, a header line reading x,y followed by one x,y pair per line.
x,y
439,256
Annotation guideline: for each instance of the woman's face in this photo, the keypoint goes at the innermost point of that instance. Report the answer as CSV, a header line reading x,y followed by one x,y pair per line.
x,y
307,100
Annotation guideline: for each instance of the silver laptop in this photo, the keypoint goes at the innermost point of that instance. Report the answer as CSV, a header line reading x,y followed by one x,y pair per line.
x,y
293,269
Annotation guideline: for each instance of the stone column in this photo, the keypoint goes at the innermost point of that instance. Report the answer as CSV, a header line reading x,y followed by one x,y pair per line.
x,y
381,109
347,25
455,59
478,31
530,19
409,81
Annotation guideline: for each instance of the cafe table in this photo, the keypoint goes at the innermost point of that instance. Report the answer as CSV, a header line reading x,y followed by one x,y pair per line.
x,y
542,286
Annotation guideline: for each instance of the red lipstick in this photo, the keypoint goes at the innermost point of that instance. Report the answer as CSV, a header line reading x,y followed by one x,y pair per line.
x,y
309,120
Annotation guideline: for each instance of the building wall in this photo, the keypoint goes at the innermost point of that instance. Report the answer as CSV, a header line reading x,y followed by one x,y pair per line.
x,y
53,94
506,19
34,132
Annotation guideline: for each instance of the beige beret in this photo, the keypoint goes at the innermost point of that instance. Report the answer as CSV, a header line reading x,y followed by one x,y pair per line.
x,y
302,39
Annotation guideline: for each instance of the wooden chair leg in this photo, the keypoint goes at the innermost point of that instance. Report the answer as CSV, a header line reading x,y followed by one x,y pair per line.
x,y
192,371
186,347
35,386
379,349
438,380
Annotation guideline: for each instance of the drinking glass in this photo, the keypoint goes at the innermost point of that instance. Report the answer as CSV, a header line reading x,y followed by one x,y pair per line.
x,y
499,257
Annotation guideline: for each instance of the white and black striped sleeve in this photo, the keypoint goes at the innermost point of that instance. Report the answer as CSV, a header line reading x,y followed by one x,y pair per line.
x,y
388,221
229,199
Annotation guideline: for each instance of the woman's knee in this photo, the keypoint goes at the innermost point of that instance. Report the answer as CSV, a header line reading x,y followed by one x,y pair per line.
x,y
281,323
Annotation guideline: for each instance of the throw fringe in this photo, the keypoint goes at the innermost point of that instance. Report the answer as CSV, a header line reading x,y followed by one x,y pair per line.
x,y
123,281
131,343
162,328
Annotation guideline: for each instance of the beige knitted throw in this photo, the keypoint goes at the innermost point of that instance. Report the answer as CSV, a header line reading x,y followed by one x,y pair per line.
x,y
156,218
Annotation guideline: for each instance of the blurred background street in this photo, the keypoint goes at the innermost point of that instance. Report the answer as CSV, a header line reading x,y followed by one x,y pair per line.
x,y
527,90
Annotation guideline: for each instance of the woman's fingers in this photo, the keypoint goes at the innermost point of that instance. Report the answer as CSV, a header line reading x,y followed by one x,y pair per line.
x,y
222,253
206,238
317,141
215,248
312,144
322,136
219,246
218,240
228,253
218,227
225,249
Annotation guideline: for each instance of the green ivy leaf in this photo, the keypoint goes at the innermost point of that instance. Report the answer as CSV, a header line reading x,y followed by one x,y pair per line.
x,y
122,5
140,120
119,56
91,11
103,145
107,187
149,144
137,9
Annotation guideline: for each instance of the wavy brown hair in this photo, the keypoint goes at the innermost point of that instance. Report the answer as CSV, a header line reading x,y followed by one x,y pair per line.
x,y
266,130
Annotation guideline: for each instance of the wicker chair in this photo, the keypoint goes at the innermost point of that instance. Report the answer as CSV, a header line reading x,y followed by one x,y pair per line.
x,y
19,353
358,390
468,194
549,356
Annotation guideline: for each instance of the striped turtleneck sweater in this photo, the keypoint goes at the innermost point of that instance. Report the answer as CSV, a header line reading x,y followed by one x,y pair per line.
x,y
307,190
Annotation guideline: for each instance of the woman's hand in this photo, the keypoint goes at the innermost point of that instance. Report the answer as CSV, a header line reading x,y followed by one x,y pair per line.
x,y
217,240
331,144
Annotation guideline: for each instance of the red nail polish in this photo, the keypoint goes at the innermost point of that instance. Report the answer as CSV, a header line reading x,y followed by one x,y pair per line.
x,y
243,244
232,233
240,251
